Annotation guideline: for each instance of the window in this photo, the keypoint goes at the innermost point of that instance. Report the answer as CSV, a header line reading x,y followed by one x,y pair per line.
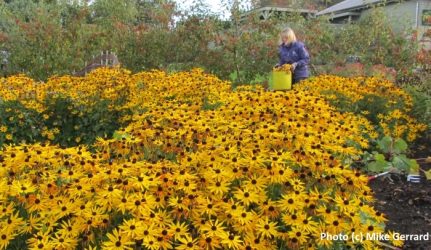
x,y
426,17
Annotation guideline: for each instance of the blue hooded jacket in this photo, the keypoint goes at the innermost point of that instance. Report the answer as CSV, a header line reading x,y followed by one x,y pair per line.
x,y
295,53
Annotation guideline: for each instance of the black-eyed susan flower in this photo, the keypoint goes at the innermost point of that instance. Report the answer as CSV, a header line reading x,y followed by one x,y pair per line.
x,y
186,242
5,238
177,171
117,241
266,228
231,241
247,197
291,203
214,228
64,242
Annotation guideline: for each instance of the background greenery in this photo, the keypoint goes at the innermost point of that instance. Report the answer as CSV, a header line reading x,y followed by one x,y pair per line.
x,y
52,37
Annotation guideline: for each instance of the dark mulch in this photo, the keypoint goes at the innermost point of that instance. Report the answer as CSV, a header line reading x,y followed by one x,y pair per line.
x,y
407,205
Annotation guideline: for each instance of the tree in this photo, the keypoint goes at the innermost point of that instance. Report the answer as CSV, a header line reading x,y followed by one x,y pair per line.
x,y
107,12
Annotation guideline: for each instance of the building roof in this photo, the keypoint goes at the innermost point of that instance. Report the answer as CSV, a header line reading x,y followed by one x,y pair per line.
x,y
269,9
349,5
284,9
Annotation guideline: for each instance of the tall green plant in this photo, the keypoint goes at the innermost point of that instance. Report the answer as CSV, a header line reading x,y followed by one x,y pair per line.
x,y
57,37
49,38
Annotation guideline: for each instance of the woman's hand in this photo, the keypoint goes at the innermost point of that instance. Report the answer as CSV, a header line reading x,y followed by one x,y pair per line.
x,y
293,66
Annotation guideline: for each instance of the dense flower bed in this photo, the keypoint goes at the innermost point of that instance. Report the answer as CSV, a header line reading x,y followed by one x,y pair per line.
x,y
199,166
384,104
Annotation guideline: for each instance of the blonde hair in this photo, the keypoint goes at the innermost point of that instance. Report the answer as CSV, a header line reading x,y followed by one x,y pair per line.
x,y
289,34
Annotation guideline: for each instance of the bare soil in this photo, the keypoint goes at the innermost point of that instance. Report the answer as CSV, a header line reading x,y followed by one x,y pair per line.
x,y
407,205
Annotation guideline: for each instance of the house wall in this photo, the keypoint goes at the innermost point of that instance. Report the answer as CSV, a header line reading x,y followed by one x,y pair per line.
x,y
424,31
401,15
407,15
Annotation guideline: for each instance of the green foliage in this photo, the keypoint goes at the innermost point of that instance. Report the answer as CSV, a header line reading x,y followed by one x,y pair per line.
x,y
390,155
374,105
259,78
207,105
376,42
234,76
46,39
371,106
373,38
320,38
57,37
421,110
341,102
123,11
81,123
23,124
76,124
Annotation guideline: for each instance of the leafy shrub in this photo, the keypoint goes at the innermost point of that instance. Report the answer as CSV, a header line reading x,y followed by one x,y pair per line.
x,y
390,155
50,37
385,105
64,110
19,124
421,109
63,122
80,124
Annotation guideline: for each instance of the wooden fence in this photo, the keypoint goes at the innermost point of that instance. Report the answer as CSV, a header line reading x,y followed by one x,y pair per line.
x,y
105,59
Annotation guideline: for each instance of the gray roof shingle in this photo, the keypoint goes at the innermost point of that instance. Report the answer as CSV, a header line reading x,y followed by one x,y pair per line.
x,y
348,5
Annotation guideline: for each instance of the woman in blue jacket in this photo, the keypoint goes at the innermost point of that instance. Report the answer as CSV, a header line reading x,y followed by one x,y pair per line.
x,y
294,52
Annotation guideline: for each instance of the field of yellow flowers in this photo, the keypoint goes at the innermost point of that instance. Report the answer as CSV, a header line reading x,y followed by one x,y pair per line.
x,y
195,164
